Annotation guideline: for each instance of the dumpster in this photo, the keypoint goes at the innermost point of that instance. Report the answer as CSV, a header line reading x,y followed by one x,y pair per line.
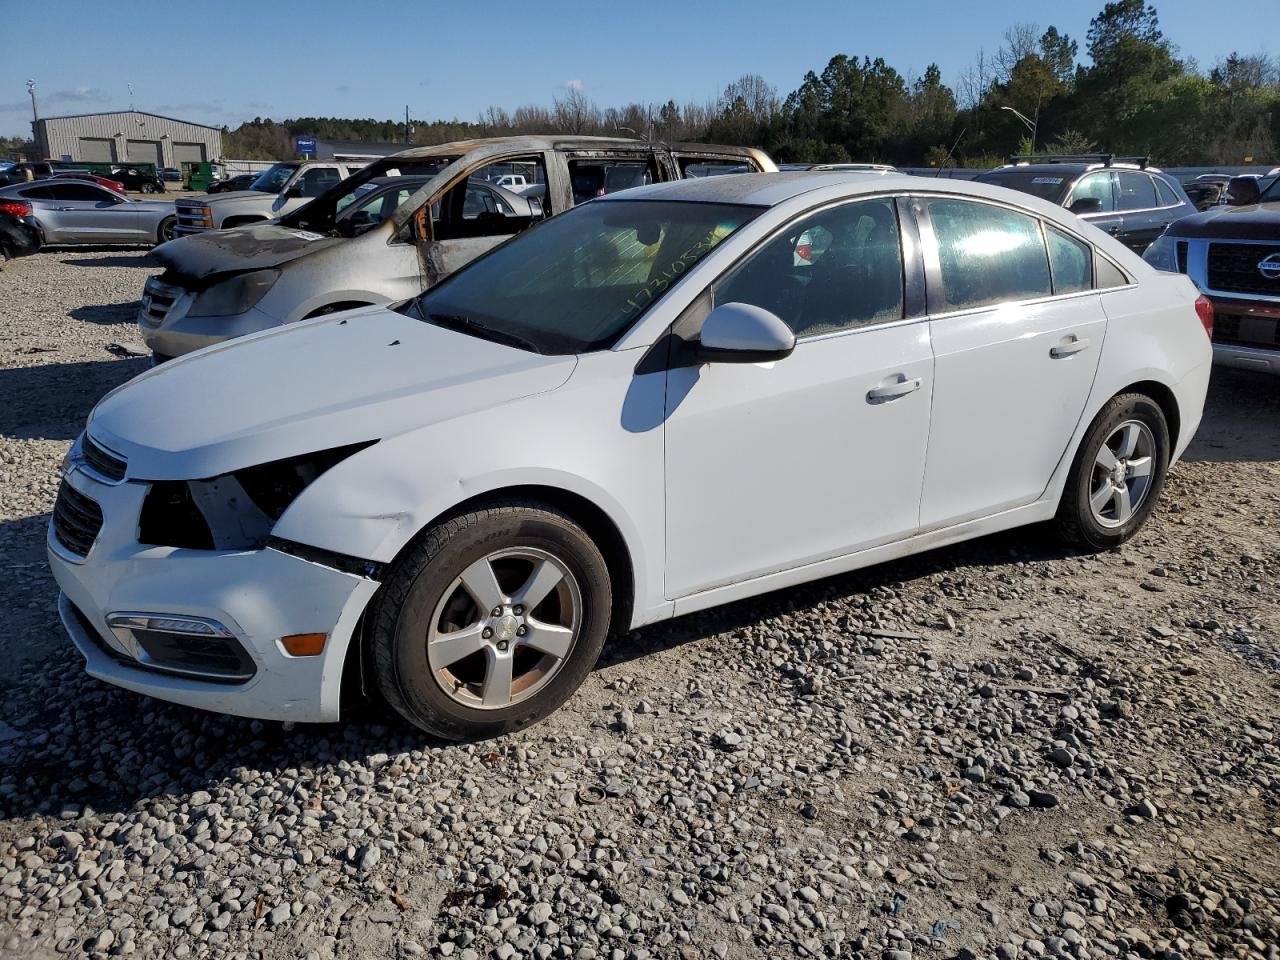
x,y
197,176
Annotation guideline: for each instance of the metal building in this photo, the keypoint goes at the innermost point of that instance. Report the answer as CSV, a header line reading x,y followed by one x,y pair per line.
x,y
129,136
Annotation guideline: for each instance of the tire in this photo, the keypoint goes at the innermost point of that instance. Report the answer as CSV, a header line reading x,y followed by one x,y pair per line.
x,y
147,188
1099,510
165,232
438,658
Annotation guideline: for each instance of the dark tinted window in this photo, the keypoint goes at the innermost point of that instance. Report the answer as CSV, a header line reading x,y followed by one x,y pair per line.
x,y
86,192
1097,186
833,270
988,254
42,192
1072,262
1050,185
1137,191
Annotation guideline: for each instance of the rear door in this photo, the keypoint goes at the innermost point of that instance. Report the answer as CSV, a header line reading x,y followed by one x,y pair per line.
x,y
87,212
1017,331
1139,203
1099,185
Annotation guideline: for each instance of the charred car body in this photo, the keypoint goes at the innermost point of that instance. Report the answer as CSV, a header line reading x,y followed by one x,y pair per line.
x,y
1232,253
335,253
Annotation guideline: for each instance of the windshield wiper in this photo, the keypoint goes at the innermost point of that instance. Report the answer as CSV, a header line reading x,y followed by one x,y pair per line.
x,y
454,321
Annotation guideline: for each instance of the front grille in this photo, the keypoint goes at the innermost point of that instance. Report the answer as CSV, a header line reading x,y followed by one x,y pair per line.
x,y
191,218
157,300
1242,330
77,520
1182,256
1233,267
103,462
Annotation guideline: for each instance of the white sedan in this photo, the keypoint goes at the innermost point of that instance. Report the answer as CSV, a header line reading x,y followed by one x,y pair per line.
x,y
647,406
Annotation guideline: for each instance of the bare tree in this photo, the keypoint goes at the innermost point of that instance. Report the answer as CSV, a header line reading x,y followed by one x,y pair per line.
x,y
1020,40
574,112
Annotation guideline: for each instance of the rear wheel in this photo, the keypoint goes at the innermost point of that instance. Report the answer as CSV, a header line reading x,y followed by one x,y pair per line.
x,y
491,621
1117,475
148,188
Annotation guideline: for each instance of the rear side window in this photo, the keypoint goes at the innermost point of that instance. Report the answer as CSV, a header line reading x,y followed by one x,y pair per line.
x,y
1137,191
1167,195
1071,261
80,191
987,254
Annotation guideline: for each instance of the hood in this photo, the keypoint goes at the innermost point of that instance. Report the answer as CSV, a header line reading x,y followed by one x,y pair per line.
x,y
344,378
1258,221
261,196
252,247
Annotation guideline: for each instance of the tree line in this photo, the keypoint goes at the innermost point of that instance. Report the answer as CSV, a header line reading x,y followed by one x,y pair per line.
x,y
1127,92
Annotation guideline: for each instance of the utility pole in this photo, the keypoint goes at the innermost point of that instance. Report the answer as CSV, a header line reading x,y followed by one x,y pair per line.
x,y
35,117
408,130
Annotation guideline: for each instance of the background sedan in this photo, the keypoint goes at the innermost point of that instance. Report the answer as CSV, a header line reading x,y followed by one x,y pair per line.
x,y
75,211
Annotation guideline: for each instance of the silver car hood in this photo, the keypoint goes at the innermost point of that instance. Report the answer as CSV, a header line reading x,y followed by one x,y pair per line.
x,y
345,378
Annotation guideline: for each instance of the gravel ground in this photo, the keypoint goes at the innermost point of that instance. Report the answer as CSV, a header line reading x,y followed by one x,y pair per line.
x,y
1000,749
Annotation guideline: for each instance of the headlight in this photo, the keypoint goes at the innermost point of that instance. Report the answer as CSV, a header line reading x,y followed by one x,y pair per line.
x,y
1161,254
233,296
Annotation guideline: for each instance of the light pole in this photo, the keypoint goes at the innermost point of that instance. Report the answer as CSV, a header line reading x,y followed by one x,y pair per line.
x,y
35,117
1029,124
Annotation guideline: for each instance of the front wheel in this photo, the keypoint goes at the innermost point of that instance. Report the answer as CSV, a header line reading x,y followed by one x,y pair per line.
x,y
147,188
167,231
1117,475
491,621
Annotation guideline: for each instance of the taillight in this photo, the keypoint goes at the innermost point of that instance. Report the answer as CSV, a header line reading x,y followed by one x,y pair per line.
x,y
1204,310
15,208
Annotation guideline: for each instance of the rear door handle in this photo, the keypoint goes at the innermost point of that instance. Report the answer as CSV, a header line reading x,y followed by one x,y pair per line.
x,y
893,387
1068,346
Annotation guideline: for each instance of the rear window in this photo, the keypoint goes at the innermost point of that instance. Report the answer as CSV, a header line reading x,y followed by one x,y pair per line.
x,y
1051,186
988,254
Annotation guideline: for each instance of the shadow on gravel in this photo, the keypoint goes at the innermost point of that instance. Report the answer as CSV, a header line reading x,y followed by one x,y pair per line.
x,y
52,400
1241,419
106,313
73,742
135,260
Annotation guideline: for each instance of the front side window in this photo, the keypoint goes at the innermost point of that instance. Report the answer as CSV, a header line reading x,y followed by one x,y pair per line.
x,y
1096,186
317,180
1071,260
987,254
473,209
833,270
580,280
1137,191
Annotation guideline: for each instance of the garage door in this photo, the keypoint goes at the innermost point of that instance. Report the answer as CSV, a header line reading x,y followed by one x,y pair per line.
x,y
187,153
144,151
96,150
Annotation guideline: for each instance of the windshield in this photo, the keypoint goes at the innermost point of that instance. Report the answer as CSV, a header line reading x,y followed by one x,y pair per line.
x,y
273,179
577,282
1048,186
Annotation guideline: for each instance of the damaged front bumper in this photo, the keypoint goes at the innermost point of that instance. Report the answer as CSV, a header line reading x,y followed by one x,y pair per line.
x,y
160,620
168,331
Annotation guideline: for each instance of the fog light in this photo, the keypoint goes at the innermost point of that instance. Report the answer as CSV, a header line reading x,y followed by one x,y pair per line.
x,y
304,644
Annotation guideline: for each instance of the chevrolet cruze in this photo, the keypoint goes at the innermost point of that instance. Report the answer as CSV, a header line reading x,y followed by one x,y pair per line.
x,y
650,405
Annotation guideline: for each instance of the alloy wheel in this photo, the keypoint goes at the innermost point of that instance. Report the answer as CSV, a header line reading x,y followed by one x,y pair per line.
x,y
1121,476
504,628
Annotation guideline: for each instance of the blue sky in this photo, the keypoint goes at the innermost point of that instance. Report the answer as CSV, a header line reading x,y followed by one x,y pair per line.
x,y
351,59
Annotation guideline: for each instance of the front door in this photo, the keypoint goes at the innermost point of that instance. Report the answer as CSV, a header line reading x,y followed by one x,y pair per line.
x,y
88,212
467,220
1017,332
1100,186
772,466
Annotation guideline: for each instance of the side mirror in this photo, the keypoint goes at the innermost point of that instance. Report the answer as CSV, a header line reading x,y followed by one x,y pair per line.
x,y
742,333
1243,191
293,193
1085,205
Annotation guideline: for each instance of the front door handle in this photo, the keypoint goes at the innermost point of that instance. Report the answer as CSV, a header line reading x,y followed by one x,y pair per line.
x,y
893,387
1068,346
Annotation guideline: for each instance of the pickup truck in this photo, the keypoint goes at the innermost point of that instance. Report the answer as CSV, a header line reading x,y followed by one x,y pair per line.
x,y
276,191
1232,253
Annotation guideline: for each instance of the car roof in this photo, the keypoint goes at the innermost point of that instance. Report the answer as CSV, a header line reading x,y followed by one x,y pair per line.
x,y
1047,168
764,189
500,145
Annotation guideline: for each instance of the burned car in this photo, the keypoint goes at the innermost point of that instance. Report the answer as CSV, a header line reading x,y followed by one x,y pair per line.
x,y
335,254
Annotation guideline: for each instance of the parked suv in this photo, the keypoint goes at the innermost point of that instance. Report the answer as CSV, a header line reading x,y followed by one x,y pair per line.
x,y
1232,253
1126,197
276,191
138,179
321,258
